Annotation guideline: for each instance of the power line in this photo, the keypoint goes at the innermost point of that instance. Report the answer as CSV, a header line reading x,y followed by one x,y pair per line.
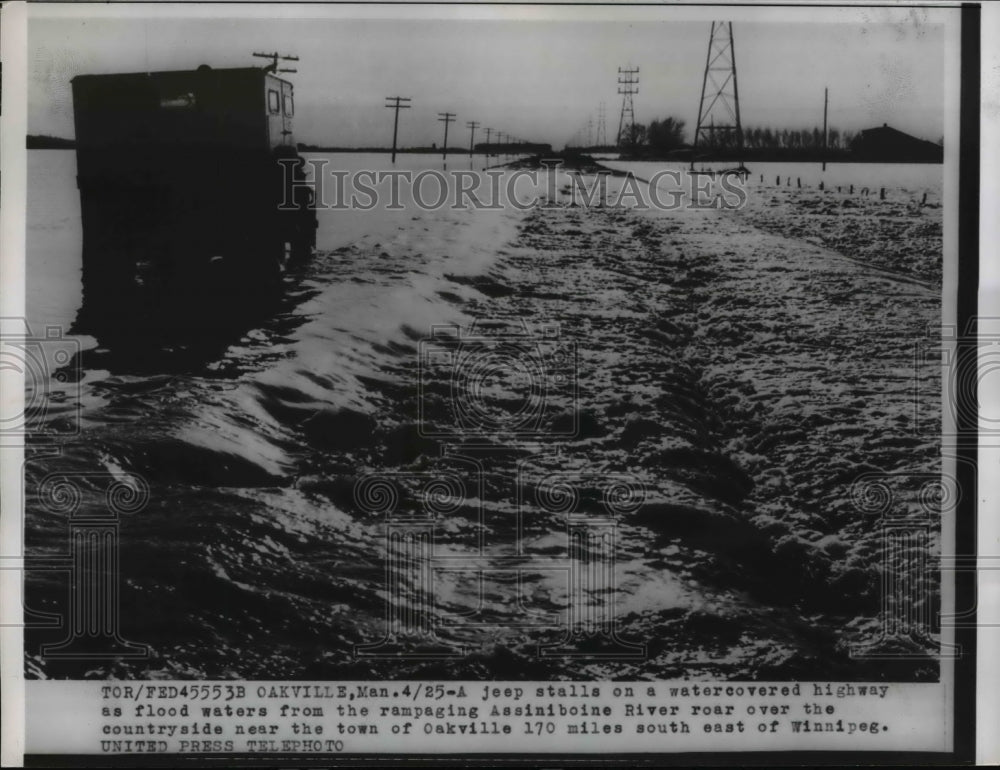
x,y
446,118
274,57
472,125
720,90
395,103
628,85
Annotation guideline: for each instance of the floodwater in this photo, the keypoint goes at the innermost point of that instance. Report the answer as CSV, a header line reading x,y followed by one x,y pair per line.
x,y
899,179
332,496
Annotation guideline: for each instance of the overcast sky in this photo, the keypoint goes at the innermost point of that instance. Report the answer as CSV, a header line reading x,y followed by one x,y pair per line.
x,y
539,80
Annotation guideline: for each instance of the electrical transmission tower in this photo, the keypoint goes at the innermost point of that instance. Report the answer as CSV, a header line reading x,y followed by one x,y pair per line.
x,y
602,128
628,84
719,110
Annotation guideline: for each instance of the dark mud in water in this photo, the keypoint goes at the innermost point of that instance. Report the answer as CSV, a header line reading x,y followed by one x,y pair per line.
x,y
707,401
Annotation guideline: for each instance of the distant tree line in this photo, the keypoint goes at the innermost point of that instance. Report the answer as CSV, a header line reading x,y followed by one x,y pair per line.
x,y
666,137
796,138
669,134
45,142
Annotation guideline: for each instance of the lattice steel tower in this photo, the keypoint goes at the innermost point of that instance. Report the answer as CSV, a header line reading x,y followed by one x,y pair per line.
x,y
628,84
602,128
719,110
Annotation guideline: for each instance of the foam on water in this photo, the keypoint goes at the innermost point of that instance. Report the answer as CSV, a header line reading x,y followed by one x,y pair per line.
x,y
698,379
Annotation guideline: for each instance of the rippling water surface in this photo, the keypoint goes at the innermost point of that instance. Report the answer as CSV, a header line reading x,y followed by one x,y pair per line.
x,y
300,469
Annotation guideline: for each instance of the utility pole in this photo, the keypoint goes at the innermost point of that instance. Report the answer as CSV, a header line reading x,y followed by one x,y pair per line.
x,y
628,84
274,56
602,129
397,106
472,125
446,118
826,98
488,131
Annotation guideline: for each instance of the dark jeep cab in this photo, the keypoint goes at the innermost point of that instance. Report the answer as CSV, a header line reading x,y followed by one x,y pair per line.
x,y
190,184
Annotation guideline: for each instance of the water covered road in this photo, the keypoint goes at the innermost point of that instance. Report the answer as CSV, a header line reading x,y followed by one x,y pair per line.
x,y
342,494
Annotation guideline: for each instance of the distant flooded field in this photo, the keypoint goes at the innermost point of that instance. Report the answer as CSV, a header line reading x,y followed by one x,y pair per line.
x,y
899,179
